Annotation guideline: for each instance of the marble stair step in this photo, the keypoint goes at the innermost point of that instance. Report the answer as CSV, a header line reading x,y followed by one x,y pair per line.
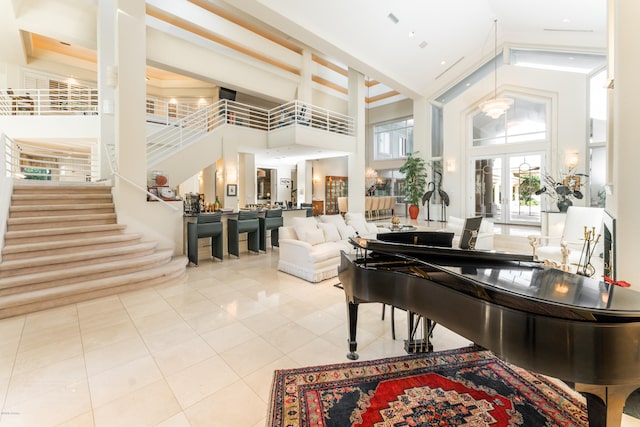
x,y
43,299
41,188
63,261
59,199
82,272
29,211
34,236
17,224
51,247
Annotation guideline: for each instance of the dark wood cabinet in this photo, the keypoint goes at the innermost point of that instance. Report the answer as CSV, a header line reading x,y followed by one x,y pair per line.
x,y
318,207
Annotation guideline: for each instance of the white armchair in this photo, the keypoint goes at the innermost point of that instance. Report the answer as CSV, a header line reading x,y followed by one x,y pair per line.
x,y
564,251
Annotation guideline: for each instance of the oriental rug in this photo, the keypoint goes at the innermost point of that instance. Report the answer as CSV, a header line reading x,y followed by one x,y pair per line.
x,y
464,387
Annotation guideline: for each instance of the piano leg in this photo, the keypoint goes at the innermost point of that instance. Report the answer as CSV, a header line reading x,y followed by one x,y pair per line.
x,y
352,314
605,403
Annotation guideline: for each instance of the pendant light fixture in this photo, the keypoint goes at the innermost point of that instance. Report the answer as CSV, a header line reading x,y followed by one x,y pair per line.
x,y
495,107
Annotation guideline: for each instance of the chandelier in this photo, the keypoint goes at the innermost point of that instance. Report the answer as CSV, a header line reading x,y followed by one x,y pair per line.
x,y
495,107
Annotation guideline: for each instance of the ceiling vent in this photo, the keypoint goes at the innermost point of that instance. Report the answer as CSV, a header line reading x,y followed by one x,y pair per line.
x,y
393,18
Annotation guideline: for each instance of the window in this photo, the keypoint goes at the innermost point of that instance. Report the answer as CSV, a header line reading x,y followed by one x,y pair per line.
x,y
598,138
525,121
393,140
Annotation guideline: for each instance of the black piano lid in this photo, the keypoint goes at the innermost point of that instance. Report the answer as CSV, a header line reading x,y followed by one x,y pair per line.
x,y
520,275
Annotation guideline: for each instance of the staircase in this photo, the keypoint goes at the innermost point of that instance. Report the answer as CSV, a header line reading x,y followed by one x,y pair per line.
x,y
63,245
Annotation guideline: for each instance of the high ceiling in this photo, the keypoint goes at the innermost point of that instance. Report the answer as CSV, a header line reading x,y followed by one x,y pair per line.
x,y
457,35
406,48
450,38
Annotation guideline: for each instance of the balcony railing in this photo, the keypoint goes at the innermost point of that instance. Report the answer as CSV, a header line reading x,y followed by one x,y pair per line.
x,y
47,163
30,102
181,125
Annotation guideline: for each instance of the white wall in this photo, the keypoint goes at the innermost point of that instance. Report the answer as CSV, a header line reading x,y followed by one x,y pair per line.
x,y
567,93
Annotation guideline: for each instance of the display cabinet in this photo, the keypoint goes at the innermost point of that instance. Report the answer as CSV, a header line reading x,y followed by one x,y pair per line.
x,y
335,186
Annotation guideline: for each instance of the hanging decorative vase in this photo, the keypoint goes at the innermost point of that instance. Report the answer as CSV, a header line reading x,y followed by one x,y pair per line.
x,y
413,211
563,204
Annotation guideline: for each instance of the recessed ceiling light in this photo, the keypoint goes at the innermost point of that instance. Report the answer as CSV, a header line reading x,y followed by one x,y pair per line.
x,y
443,62
393,18
412,33
566,20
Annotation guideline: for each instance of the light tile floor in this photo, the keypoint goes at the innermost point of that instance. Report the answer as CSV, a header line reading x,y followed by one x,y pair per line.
x,y
199,351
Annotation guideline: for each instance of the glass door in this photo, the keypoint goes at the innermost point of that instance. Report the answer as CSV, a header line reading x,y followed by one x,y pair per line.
x,y
505,187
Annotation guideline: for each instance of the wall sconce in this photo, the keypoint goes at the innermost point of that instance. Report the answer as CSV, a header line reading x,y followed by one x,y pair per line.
x,y
451,165
571,160
316,179
370,173
232,176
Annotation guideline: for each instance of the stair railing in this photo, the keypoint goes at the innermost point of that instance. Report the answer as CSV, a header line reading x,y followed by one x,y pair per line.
x,y
168,140
109,153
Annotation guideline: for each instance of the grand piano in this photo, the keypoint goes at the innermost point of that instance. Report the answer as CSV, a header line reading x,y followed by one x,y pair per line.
x,y
580,330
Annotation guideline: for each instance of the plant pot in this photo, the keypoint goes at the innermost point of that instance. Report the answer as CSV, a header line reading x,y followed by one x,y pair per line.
x,y
563,205
413,211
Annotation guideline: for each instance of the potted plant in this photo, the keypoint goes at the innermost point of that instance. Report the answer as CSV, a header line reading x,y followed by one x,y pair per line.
x,y
415,182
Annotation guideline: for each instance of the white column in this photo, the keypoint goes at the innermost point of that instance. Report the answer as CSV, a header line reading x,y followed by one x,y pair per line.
x,y
356,161
130,94
422,134
624,203
106,79
304,181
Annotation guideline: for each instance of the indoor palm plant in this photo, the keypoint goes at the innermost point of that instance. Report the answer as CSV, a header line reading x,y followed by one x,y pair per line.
x,y
415,182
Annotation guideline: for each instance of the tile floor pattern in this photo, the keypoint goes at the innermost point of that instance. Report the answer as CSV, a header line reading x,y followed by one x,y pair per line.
x,y
200,351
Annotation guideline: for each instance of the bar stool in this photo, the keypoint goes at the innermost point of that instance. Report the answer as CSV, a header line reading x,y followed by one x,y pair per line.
x,y
206,226
272,221
247,222
308,207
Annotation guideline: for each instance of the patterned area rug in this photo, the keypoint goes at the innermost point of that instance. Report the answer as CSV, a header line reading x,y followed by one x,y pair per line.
x,y
465,387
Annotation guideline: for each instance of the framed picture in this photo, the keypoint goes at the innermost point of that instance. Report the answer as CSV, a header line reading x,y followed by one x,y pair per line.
x,y
232,189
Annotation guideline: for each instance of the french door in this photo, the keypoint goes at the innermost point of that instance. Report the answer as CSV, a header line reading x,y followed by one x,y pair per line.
x,y
505,187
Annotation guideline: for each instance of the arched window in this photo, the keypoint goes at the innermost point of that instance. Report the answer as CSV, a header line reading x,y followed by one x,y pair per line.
x,y
525,121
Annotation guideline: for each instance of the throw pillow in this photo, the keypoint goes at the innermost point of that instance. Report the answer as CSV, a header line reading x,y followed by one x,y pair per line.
x,y
313,237
354,216
302,225
360,226
346,232
372,228
330,231
336,219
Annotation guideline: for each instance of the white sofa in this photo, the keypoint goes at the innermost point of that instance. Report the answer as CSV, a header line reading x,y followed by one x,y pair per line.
x,y
310,248
485,234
